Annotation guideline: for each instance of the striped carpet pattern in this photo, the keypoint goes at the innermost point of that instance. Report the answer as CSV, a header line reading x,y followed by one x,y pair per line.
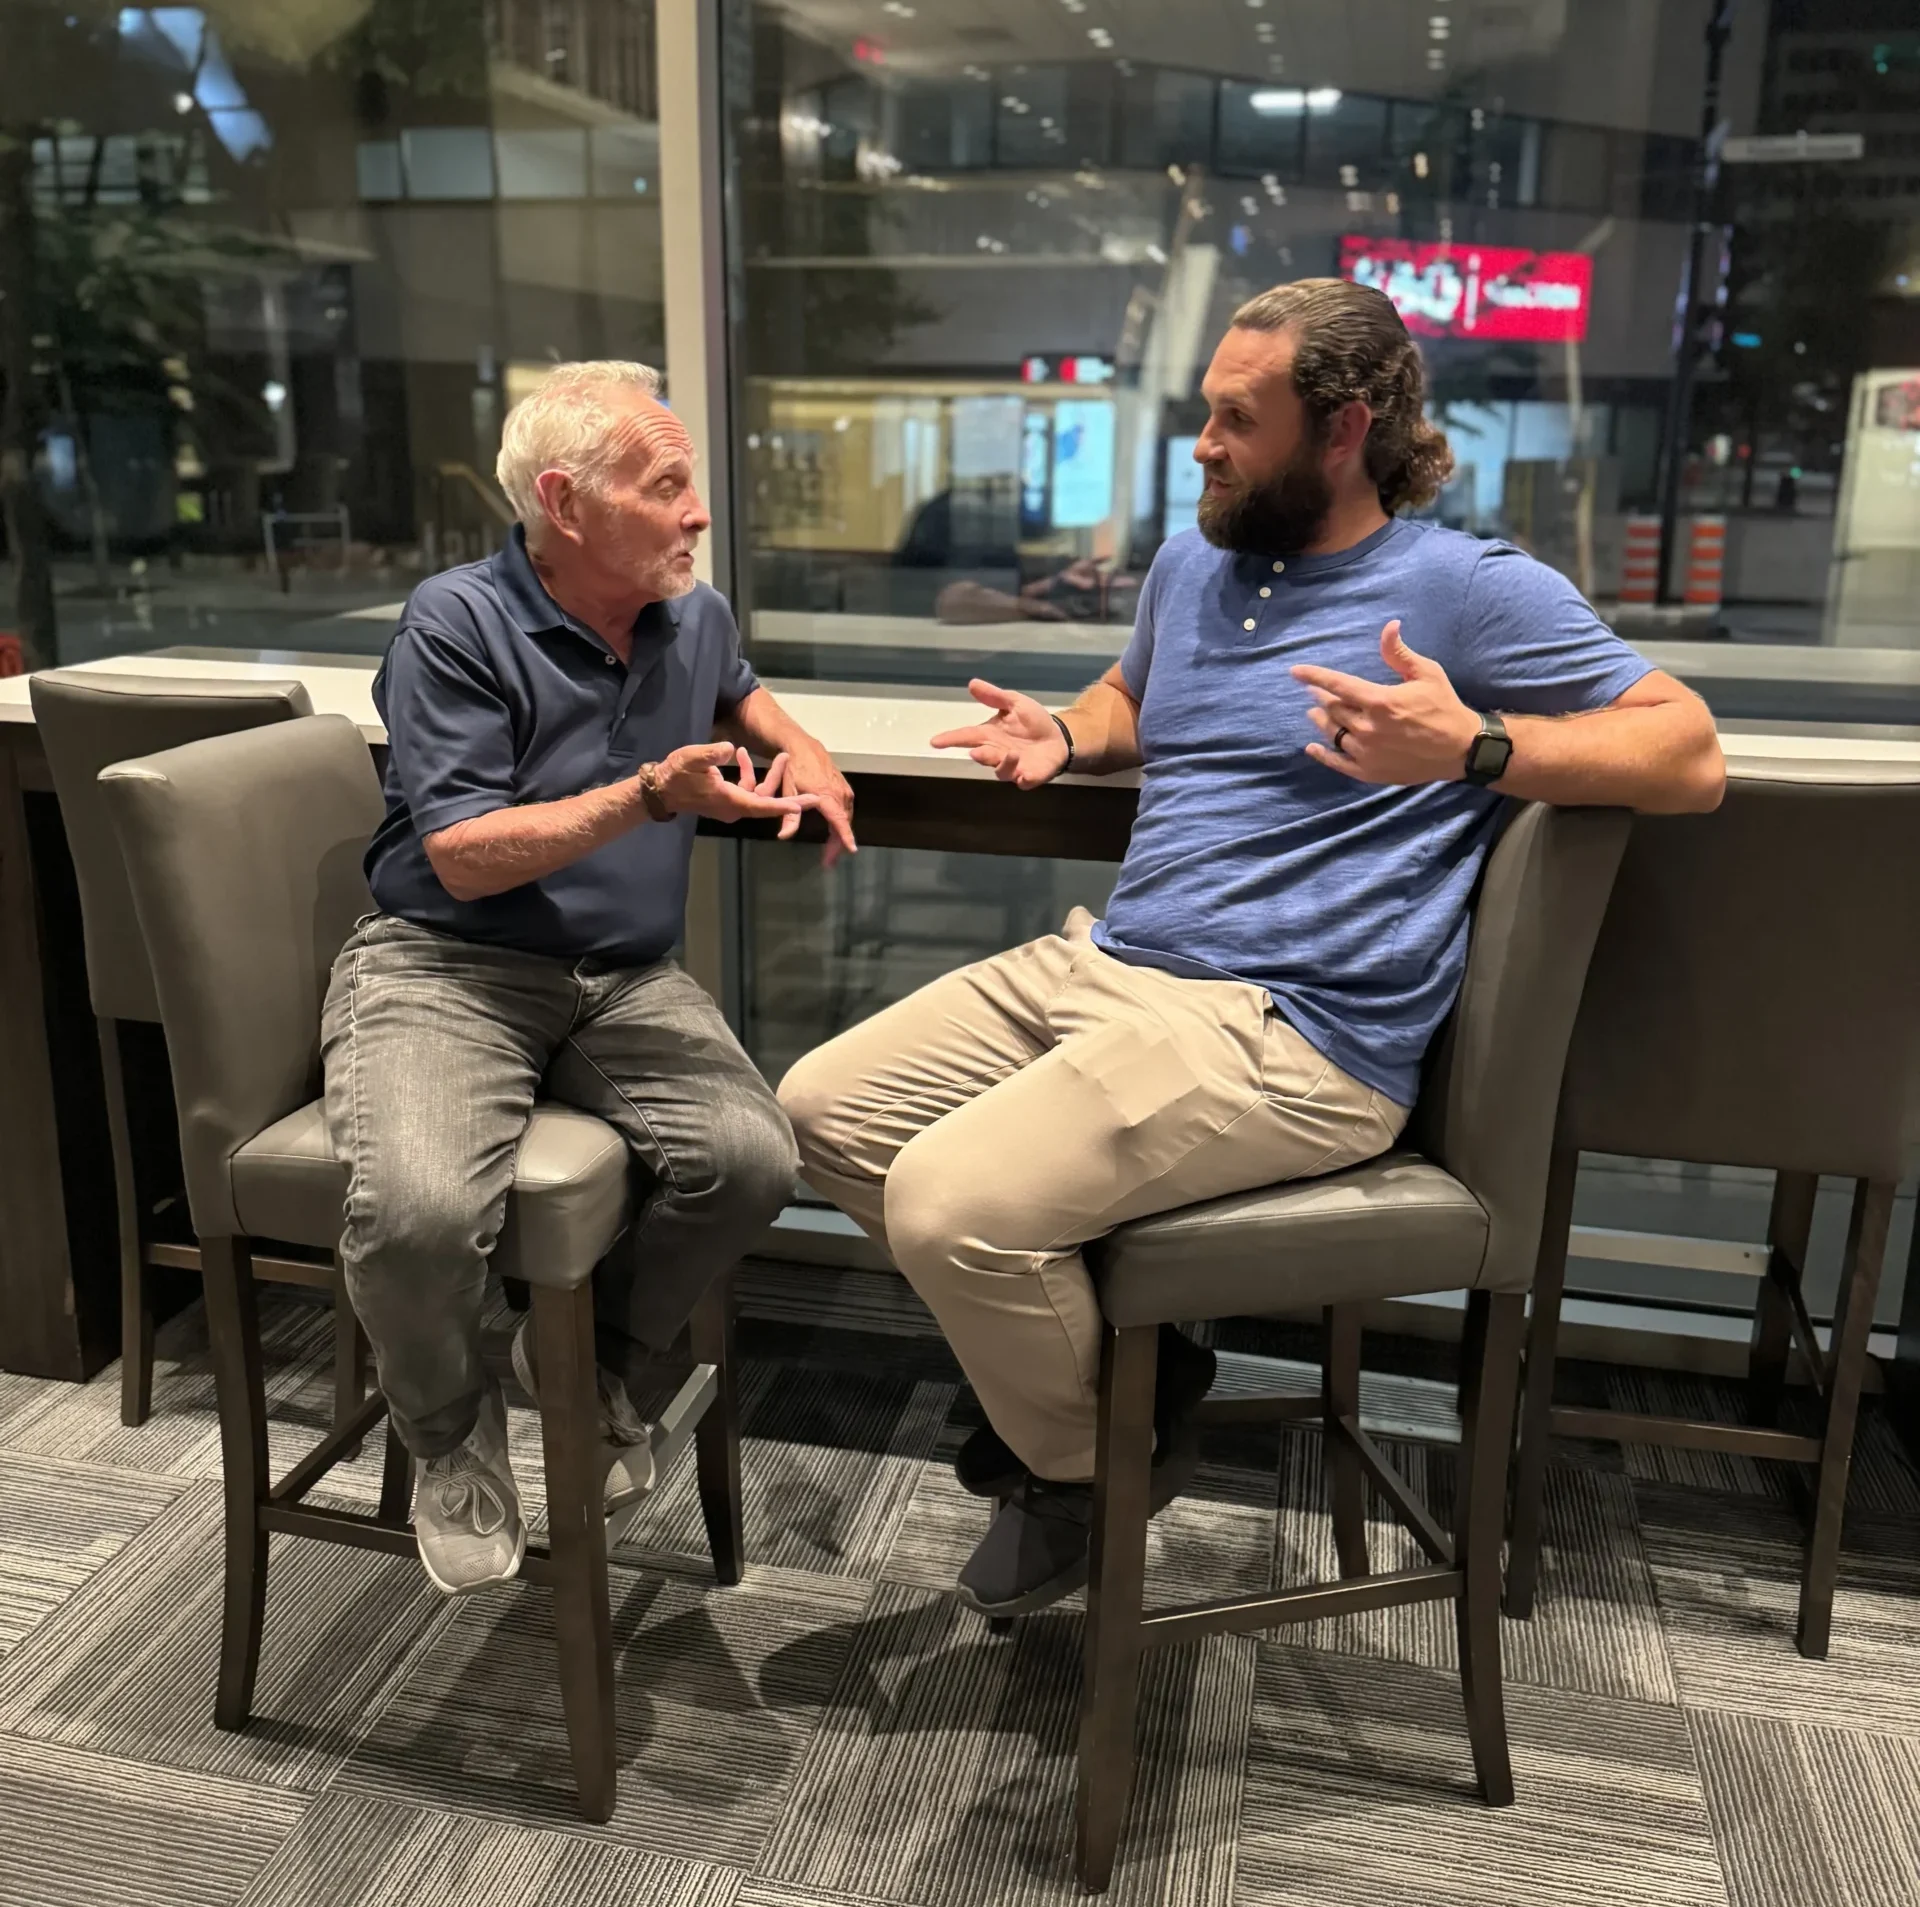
x,y
839,1732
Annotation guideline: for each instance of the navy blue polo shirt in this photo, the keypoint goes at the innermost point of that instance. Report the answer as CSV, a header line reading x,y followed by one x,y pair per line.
x,y
493,695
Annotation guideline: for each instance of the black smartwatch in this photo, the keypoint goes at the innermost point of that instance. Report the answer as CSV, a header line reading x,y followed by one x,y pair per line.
x,y
1492,750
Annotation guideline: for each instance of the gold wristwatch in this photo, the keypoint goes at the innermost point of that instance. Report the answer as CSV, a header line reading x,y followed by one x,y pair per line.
x,y
651,792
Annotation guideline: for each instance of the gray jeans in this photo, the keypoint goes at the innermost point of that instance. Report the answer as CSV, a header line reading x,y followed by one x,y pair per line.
x,y
435,1049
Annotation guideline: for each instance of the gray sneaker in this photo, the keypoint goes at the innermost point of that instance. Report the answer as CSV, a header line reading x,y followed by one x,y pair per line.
x,y
466,1510
626,1439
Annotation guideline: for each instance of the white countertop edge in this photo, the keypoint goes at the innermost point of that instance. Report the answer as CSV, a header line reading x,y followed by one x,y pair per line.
x,y
880,730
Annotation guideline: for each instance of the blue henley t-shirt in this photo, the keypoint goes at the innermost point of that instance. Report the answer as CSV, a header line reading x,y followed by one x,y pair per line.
x,y
1348,904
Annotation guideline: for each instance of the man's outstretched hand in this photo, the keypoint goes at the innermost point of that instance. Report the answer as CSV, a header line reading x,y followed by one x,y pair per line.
x,y
1396,734
1021,743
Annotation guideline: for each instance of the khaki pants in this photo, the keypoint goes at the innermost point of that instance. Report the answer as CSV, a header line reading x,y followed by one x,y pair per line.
x,y
987,1127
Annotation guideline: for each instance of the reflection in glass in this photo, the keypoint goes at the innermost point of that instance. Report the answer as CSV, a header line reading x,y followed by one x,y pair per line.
x,y
287,267
936,205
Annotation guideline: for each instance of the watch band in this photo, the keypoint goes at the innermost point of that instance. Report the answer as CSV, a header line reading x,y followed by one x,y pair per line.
x,y
1066,735
652,796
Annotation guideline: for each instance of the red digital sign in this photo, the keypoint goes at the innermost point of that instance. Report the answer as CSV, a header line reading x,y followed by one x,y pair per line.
x,y
1476,291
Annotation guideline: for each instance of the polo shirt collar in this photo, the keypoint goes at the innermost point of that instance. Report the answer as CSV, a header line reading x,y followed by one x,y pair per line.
x,y
524,597
1301,567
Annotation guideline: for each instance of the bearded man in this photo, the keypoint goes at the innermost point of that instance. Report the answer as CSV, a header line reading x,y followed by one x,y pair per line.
x,y
1328,703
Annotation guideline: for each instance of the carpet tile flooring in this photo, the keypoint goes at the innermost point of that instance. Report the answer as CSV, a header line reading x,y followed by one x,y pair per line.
x,y
838,1731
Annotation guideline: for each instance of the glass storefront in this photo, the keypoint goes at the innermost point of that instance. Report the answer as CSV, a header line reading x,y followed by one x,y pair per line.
x,y
285,268
982,260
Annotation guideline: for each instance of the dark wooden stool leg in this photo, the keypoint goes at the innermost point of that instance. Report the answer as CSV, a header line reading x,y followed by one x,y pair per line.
x,y
1340,1402
1479,1501
1543,1333
1789,1226
577,1533
396,1479
233,1331
1110,1663
717,1440
349,1354
136,1308
1846,1371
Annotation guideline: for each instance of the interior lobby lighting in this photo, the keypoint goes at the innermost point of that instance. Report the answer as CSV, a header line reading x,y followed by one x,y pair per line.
x,y
1276,101
1100,36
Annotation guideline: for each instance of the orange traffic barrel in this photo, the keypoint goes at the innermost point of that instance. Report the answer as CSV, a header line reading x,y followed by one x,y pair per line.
x,y
1640,561
1706,561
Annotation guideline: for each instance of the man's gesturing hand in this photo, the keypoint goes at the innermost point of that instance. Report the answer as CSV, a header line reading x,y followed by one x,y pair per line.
x,y
812,775
691,783
1399,734
1021,744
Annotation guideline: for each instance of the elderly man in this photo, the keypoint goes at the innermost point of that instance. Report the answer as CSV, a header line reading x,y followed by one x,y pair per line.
x,y
551,715
1328,702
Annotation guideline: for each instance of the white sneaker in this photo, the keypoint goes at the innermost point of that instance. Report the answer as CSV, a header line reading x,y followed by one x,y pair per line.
x,y
626,1439
466,1508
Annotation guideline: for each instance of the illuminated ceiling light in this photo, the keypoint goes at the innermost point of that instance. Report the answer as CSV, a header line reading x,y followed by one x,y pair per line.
x,y
976,72
183,102
1100,36
1277,101
898,8
1419,165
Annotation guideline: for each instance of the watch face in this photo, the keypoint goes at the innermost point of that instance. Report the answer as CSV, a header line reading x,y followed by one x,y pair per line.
x,y
1488,758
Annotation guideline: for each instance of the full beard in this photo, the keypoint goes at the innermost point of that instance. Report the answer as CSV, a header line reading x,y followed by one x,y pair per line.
x,y
1281,517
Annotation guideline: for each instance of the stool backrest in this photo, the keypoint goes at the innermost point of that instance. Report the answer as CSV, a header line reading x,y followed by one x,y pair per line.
x,y
87,719
1755,992
1486,1108
244,857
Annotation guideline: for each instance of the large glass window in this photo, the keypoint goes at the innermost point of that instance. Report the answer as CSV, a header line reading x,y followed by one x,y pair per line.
x,y
273,275
983,258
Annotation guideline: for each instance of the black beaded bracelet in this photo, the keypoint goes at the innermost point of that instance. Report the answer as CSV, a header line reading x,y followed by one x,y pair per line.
x,y
1066,735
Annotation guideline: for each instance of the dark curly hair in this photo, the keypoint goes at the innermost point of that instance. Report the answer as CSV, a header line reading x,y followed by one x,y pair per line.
x,y
1351,345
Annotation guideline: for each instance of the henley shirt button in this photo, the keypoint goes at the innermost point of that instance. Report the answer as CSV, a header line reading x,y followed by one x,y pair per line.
x,y
1265,592
1278,567
1248,624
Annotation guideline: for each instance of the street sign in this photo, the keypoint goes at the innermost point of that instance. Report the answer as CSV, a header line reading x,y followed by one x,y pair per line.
x,y
1793,148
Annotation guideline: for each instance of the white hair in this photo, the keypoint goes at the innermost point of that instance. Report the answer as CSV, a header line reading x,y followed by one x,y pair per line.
x,y
566,423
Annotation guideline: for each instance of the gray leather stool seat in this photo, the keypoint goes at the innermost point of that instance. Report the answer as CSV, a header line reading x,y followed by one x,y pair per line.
x,y
1392,1228
244,854
1456,1207
570,1197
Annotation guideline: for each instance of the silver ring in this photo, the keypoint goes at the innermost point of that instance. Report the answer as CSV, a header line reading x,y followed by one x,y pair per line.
x,y
1339,741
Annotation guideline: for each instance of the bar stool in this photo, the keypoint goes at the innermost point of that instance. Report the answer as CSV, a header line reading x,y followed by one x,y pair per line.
x,y
1752,1001
1457,1207
244,856
88,719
